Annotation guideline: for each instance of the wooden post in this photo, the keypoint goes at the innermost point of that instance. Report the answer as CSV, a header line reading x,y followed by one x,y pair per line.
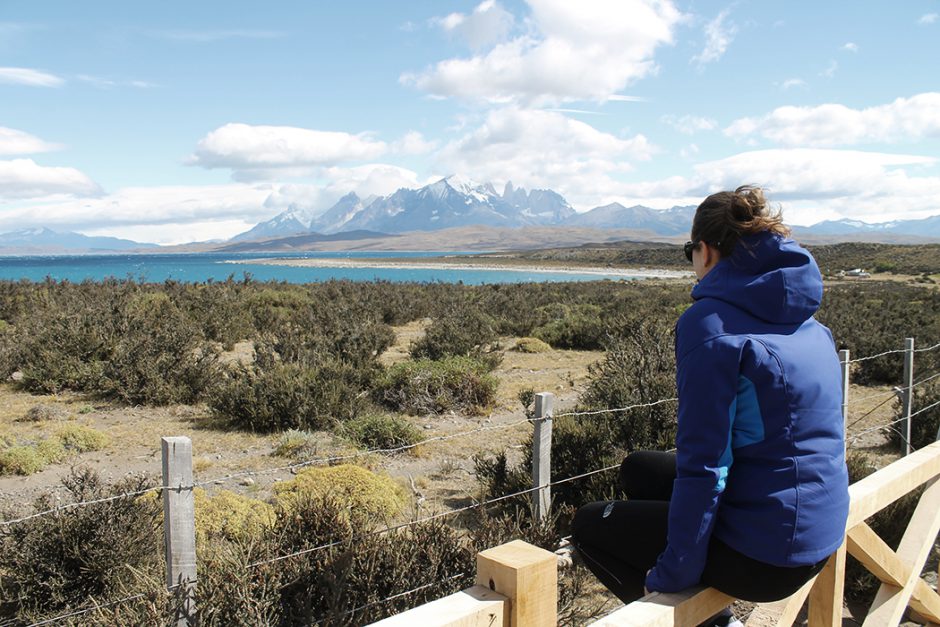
x,y
179,525
825,598
908,395
542,455
527,576
844,361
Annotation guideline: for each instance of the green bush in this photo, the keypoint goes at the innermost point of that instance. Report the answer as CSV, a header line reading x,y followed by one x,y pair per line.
x,y
427,386
377,431
925,425
579,327
21,460
296,444
80,438
290,396
58,562
462,331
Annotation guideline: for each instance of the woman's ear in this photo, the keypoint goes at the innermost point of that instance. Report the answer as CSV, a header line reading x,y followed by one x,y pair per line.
x,y
711,256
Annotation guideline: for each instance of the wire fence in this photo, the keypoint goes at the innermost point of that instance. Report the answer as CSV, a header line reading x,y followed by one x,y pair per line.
x,y
887,396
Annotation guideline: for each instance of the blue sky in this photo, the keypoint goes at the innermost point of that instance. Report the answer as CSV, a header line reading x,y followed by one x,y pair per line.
x,y
174,122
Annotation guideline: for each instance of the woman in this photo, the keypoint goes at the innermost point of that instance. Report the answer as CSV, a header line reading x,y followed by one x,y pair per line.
x,y
755,498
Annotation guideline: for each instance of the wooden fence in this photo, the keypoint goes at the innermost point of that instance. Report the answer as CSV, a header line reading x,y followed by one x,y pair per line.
x,y
516,582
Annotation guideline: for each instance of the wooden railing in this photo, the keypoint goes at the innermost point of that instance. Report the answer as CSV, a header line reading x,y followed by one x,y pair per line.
x,y
516,582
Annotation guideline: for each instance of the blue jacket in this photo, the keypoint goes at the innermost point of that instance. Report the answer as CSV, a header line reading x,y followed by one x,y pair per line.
x,y
760,448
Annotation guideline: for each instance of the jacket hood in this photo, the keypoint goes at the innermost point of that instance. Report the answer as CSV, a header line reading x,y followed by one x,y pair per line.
x,y
768,276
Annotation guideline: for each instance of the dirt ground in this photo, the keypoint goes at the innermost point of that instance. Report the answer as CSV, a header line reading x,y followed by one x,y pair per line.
x,y
439,475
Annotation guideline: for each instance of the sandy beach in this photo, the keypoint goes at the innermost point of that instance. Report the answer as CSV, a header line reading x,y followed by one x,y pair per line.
x,y
650,273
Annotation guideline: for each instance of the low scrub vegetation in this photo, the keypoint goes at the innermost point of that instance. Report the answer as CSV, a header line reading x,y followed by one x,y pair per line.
x,y
427,386
381,431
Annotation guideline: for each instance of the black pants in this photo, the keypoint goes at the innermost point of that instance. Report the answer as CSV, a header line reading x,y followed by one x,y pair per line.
x,y
621,540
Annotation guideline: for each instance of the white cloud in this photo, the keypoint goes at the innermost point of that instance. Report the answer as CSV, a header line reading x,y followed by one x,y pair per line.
x,y
718,36
812,184
270,151
489,23
850,47
208,36
904,119
790,83
14,142
928,18
28,76
413,143
573,51
542,149
830,70
24,178
689,124
107,83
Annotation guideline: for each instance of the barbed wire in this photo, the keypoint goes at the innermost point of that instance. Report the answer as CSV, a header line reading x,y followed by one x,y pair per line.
x,y
923,409
377,451
891,352
868,413
394,596
891,393
107,499
86,610
614,410
425,519
925,379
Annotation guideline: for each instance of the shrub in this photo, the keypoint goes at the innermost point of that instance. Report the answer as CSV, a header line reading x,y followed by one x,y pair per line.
x,y
21,460
290,396
56,562
42,411
531,345
463,331
369,494
374,431
230,515
578,327
51,450
426,386
80,439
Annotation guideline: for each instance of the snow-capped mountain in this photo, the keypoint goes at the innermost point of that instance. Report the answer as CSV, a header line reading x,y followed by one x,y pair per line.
x,y
925,227
674,221
450,202
40,240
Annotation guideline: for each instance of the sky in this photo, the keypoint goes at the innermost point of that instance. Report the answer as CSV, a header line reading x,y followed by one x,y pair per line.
x,y
177,121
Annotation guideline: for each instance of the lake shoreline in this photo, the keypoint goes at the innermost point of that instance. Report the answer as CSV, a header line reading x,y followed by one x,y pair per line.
x,y
400,264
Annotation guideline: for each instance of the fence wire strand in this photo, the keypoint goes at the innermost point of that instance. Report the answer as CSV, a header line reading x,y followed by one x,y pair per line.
x,y
614,410
393,597
86,610
108,499
425,519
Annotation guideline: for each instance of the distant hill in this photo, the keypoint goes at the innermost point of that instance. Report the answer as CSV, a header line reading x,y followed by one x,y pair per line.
x,y
300,242
46,241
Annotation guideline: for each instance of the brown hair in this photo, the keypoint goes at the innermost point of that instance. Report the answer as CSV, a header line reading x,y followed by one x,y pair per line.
x,y
723,218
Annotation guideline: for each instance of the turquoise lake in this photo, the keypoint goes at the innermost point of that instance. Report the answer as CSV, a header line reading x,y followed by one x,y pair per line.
x,y
200,267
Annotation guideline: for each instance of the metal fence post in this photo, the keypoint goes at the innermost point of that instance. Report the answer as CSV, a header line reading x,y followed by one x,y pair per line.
x,y
907,395
179,524
542,455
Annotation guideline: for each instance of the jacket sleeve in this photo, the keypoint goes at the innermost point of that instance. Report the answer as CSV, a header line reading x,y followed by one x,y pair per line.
x,y
707,380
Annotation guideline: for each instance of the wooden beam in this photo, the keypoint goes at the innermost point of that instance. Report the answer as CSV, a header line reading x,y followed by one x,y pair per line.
x,y
915,546
783,612
825,598
474,607
679,609
879,489
527,576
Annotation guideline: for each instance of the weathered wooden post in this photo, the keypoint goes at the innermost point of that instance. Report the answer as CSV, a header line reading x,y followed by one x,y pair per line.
x,y
844,361
907,395
542,455
528,576
179,524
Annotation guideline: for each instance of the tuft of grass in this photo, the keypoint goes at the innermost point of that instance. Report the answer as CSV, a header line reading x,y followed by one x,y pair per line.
x,y
295,444
231,515
531,345
80,438
42,412
380,431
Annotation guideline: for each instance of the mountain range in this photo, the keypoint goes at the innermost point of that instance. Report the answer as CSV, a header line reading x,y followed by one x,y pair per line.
x,y
456,202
